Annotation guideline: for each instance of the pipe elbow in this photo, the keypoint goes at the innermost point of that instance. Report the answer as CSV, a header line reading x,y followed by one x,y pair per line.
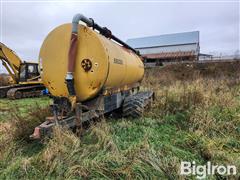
x,y
75,21
77,18
80,17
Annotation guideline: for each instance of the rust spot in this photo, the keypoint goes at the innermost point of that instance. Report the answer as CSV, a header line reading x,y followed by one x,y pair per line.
x,y
97,86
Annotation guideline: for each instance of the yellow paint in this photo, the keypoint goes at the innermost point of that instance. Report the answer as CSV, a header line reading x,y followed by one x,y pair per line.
x,y
11,61
112,65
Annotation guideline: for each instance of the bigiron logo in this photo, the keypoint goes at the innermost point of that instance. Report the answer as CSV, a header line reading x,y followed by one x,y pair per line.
x,y
202,171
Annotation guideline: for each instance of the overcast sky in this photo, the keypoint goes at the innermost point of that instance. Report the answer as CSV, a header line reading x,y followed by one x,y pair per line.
x,y
25,25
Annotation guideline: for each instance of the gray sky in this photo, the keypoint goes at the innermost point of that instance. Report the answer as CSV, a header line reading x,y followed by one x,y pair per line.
x,y
25,25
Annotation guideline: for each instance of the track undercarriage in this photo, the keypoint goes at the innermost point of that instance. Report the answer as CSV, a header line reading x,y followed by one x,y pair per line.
x,y
19,91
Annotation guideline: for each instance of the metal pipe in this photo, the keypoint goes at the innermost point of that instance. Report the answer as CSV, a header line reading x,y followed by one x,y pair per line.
x,y
103,30
74,43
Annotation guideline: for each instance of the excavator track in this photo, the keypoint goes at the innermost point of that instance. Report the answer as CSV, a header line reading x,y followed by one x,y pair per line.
x,y
135,105
5,89
25,92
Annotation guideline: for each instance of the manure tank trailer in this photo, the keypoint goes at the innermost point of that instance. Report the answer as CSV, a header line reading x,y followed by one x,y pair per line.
x,y
89,73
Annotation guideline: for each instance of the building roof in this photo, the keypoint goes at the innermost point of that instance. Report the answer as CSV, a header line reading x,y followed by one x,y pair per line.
x,y
165,40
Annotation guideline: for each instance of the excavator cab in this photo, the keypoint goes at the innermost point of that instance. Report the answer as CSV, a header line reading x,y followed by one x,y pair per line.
x,y
28,72
25,76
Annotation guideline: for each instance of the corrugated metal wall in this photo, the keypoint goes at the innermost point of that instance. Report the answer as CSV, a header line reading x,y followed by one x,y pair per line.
x,y
184,48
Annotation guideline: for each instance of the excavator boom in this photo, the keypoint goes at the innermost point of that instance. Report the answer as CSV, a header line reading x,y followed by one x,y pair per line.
x,y
10,61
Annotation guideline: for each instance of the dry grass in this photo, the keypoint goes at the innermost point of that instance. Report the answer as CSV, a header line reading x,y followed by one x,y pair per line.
x,y
20,126
171,74
98,156
196,119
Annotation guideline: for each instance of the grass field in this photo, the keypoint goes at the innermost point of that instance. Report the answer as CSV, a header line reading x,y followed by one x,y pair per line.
x,y
20,106
194,119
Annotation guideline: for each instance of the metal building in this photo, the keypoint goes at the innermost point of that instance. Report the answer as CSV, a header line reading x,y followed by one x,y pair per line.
x,y
168,48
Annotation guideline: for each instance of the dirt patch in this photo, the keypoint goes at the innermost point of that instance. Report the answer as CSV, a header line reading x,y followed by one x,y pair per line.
x,y
5,79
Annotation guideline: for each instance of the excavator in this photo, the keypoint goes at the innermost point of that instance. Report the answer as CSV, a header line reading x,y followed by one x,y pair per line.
x,y
25,76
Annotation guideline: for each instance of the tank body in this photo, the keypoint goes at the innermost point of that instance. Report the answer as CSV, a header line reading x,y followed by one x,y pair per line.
x,y
101,64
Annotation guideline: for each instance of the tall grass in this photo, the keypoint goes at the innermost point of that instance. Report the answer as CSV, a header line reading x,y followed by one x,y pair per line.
x,y
191,120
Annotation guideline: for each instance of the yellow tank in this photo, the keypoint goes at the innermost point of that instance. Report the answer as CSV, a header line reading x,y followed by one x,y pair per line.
x,y
101,64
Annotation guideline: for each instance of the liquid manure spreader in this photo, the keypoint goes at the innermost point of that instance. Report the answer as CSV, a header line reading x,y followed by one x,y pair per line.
x,y
89,73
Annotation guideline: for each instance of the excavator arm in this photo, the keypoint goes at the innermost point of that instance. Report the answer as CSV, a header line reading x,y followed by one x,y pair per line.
x,y
10,61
